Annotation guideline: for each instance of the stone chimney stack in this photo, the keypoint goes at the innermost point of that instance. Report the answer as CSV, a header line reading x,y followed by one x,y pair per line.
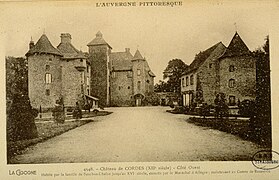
x,y
66,38
127,50
31,44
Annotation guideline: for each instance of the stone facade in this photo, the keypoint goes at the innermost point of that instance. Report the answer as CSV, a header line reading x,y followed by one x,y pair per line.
x,y
112,78
219,69
243,75
118,78
98,57
42,93
55,73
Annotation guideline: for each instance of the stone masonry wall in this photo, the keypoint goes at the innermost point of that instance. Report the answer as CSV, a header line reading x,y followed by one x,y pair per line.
x,y
36,80
244,75
71,78
208,75
139,64
121,89
99,73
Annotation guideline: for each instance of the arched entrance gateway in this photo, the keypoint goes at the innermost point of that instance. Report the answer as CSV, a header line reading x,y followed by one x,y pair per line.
x,y
138,99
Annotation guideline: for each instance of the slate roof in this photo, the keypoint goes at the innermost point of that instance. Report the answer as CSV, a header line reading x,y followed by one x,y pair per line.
x,y
98,40
43,45
201,57
137,55
121,61
236,47
69,51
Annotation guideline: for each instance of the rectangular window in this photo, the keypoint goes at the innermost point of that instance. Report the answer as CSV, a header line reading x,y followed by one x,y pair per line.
x,y
138,85
48,78
113,74
187,81
87,81
47,92
87,69
129,74
232,101
231,83
88,92
183,82
138,72
47,67
192,79
231,68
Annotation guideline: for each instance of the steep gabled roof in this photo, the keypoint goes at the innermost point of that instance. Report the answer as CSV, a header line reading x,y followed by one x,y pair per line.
x,y
69,51
98,40
121,60
236,47
137,56
43,45
201,57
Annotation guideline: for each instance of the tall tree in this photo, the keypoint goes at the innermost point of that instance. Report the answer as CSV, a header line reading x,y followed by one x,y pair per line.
x,y
261,123
20,115
173,72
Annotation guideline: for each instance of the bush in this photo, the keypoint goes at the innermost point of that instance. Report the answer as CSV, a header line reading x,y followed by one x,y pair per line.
x,y
21,119
247,108
204,110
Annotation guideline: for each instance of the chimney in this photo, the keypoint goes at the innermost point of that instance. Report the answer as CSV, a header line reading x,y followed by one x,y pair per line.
x,y
31,44
65,38
127,50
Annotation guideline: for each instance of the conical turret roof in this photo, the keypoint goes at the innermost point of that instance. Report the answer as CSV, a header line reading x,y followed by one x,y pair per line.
x,y
137,56
43,45
98,40
236,47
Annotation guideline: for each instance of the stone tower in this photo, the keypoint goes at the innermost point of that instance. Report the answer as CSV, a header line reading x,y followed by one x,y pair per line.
x,y
44,73
139,78
99,51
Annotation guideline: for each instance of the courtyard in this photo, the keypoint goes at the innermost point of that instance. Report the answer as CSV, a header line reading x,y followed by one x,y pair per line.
x,y
139,134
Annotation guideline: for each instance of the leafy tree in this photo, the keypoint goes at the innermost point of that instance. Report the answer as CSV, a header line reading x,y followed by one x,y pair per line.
x,y
20,114
173,72
162,86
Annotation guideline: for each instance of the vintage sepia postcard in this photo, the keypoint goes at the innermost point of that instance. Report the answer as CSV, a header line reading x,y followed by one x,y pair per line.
x,y
168,89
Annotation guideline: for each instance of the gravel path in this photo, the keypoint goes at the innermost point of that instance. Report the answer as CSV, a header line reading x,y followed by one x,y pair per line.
x,y
139,134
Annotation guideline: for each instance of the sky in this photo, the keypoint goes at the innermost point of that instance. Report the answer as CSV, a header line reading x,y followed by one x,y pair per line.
x,y
160,33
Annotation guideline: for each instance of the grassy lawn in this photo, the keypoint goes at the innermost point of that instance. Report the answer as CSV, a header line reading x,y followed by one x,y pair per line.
x,y
237,127
47,129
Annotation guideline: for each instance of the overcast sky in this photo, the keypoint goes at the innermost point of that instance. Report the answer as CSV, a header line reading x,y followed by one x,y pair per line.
x,y
160,33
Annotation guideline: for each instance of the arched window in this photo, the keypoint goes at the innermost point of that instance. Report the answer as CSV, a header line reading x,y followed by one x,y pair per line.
x,y
231,83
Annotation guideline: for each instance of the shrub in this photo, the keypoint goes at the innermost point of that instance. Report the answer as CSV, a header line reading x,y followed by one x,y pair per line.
x,y
20,120
247,108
